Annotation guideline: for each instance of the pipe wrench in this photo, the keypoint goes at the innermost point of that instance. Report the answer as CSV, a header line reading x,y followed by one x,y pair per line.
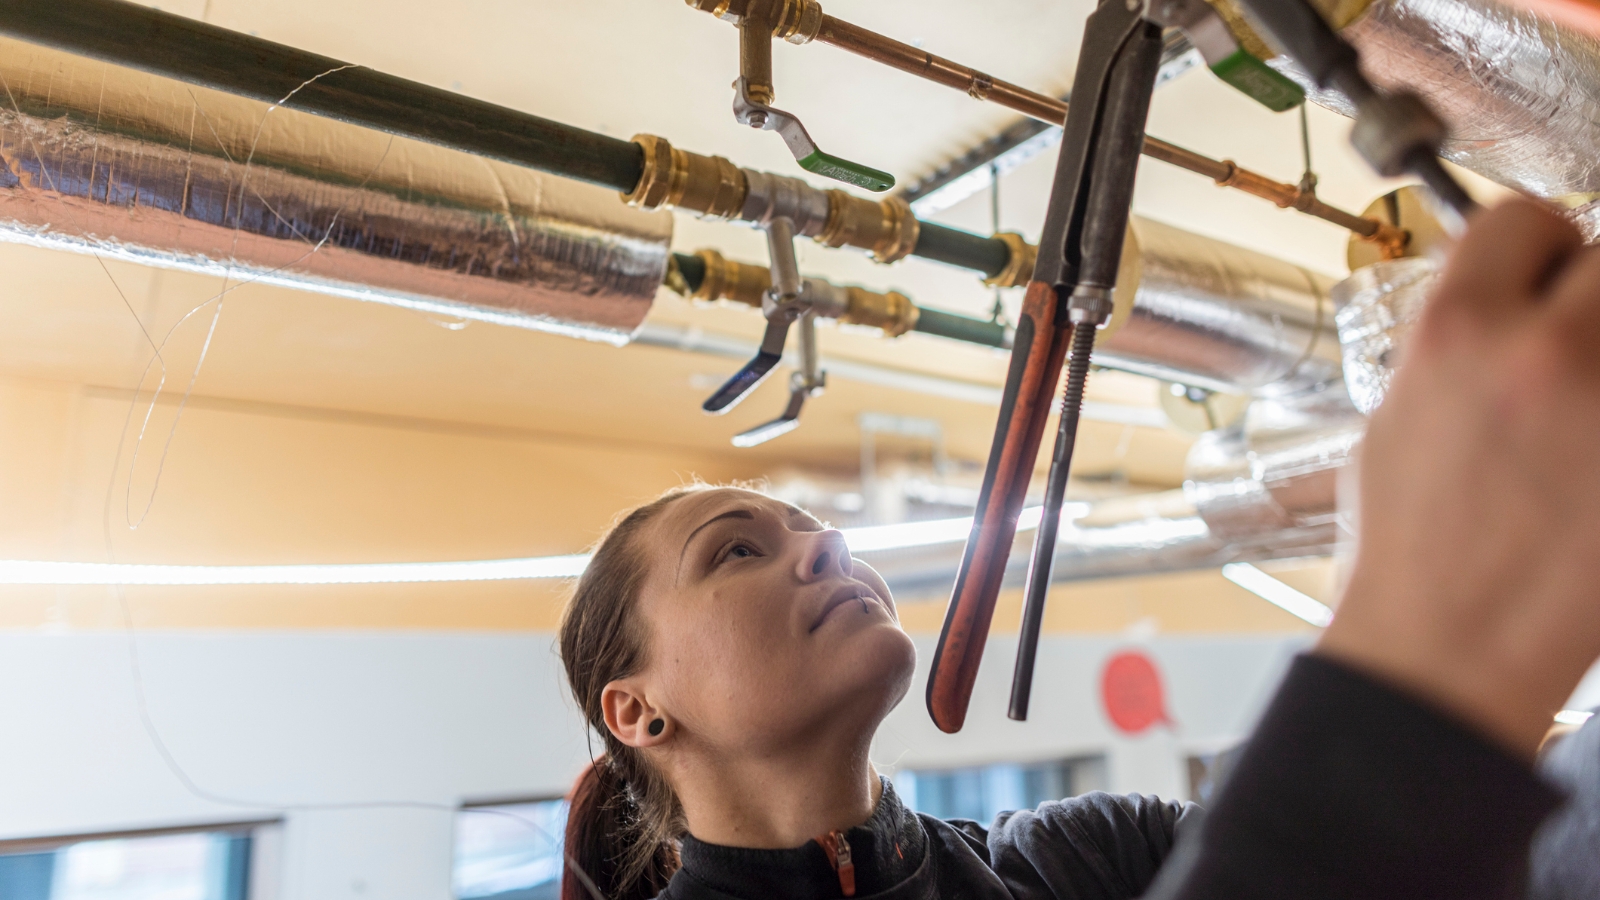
x,y
1069,297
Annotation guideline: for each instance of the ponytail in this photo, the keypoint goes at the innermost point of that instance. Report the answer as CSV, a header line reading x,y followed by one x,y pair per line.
x,y
623,819
603,824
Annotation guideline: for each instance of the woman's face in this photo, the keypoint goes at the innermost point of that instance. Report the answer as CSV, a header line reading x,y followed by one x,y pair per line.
x,y
761,628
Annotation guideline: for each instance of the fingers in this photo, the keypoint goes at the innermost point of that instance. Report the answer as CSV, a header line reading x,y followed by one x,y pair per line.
x,y
1508,258
1575,302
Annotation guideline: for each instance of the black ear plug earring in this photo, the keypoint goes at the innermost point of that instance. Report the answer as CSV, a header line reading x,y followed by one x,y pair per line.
x,y
656,727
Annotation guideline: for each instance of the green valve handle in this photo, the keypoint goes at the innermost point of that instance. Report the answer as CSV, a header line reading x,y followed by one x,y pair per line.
x,y
750,111
1256,79
829,166
1210,35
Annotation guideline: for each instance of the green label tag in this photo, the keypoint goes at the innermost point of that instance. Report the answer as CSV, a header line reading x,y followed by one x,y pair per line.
x,y
829,166
1260,81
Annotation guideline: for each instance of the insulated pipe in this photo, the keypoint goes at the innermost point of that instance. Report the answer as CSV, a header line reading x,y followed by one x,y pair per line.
x,y
1520,93
1195,310
1268,488
118,163
188,50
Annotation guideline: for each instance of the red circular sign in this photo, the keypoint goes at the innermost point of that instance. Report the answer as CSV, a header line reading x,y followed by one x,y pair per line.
x,y
1130,688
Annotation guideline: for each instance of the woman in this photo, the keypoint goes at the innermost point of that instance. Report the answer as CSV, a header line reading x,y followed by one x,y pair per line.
x,y
737,661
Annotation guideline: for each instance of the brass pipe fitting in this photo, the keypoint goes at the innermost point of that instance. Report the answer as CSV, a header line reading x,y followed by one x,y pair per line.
x,y
713,187
1019,268
747,284
798,21
795,21
755,51
730,10
732,281
885,227
892,311
709,185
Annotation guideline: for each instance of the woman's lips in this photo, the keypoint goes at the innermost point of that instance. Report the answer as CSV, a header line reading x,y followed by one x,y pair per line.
x,y
845,595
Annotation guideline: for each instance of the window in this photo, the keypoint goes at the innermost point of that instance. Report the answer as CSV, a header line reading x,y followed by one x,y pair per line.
x,y
510,851
211,864
983,792
1207,771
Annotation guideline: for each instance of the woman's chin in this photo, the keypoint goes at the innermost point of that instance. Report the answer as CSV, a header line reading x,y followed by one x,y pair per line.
x,y
879,652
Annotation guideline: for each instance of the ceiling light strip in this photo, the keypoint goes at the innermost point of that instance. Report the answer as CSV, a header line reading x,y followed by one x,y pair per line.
x,y
31,572
1279,594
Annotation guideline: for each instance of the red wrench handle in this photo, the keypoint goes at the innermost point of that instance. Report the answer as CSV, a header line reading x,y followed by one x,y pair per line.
x,y
1031,383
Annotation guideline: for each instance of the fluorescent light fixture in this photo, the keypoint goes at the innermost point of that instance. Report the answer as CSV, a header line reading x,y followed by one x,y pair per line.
x,y
1572,717
861,540
1277,593
16,571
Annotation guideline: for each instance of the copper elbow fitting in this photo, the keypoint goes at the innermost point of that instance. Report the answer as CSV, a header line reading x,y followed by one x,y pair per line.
x,y
709,185
1019,268
732,281
885,227
893,311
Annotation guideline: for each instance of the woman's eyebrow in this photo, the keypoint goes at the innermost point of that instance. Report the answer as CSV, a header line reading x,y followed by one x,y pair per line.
x,y
730,514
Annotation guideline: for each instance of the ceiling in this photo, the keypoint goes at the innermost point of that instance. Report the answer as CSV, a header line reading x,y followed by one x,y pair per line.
x,y
628,66
622,67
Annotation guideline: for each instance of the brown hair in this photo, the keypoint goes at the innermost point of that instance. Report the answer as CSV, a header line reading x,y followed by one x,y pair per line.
x,y
623,819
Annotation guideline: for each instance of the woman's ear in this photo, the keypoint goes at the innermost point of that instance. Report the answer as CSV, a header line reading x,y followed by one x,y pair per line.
x,y
630,716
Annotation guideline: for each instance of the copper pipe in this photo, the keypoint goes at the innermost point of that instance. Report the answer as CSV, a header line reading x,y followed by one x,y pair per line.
x,y
952,74
980,86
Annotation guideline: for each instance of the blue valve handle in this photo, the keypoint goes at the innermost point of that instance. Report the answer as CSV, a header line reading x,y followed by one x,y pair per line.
x,y
782,425
754,372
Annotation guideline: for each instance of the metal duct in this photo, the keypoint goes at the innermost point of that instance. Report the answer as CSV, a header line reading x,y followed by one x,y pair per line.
x,y
1377,307
1521,94
1264,485
1212,315
1267,488
105,160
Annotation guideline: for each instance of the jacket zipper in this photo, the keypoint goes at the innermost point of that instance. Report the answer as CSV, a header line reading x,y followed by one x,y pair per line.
x,y
838,851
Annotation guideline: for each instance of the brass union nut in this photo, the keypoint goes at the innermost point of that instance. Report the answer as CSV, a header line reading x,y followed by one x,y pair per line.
x,y
729,280
885,227
709,185
1019,268
798,21
893,311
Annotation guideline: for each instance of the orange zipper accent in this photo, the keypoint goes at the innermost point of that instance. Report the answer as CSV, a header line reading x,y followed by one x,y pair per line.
x,y
838,851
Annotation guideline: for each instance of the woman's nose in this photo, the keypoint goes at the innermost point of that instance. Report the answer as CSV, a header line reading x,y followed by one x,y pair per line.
x,y
825,554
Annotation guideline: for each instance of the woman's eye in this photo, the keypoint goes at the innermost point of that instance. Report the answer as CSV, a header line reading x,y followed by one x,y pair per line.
x,y
740,551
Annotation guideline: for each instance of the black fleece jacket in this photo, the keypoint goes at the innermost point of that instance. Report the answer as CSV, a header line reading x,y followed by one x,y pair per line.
x,y
1094,847
1349,790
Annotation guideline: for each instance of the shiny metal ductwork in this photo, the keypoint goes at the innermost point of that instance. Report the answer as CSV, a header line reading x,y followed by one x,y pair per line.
x,y
105,160
1521,94
1267,488
1195,310
1377,307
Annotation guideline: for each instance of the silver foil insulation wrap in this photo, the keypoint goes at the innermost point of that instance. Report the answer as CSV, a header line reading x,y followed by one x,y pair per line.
x,y
1265,493
1378,305
1213,315
1269,487
127,165
1520,94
